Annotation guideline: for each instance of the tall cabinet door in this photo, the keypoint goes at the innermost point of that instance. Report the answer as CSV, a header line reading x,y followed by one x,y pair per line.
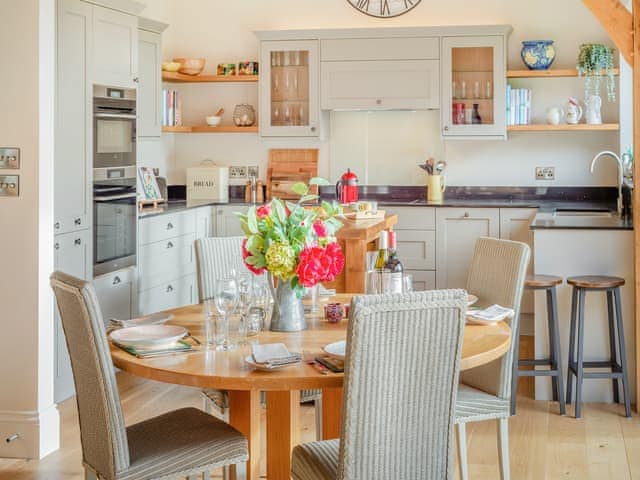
x,y
115,48
473,87
150,84
289,95
457,230
73,130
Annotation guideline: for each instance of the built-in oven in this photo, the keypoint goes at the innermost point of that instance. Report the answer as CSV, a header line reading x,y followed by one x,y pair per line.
x,y
114,219
114,127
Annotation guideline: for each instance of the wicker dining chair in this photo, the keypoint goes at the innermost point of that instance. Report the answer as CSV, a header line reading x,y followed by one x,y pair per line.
x,y
181,443
401,378
218,257
496,275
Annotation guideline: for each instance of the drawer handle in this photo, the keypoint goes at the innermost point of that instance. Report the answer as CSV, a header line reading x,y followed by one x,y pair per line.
x,y
466,215
77,221
116,280
56,225
170,245
169,226
57,246
78,241
379,101
169,289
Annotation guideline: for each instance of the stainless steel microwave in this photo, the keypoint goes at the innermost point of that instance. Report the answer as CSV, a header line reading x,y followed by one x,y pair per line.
x,y
114,127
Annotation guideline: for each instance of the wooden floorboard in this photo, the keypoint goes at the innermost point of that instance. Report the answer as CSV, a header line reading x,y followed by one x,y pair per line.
x,y
543,445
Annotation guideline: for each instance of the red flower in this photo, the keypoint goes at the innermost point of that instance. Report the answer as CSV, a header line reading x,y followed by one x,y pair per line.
x,y
263,210
333,252
245,254
317,264
320,229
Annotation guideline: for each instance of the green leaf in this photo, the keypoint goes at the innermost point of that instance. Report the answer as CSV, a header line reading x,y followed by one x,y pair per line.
x,y
300,188
281,214
245,227
251,260
252,220
254,245
319,181
308,198
261,262
327,207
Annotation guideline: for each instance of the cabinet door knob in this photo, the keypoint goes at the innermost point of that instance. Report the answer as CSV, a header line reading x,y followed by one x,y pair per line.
x,y
169,289
169,226
379,101
77,221
116,280
446,128
170,245
56,225
78,241
466,215
136,79
313,129
57,246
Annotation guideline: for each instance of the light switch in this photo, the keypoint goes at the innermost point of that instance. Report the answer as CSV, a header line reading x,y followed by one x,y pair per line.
x,y
9,158
9,185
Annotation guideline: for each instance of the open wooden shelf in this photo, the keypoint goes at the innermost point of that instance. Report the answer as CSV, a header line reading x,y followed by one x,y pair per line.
x,y
208,129
175,77
569,72
581,127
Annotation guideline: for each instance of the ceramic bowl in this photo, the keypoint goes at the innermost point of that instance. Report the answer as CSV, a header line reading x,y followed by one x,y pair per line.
x,y
171,66
213,121
190,66
538,54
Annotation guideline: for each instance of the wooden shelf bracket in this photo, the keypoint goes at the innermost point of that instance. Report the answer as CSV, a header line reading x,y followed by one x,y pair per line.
x,y
618,23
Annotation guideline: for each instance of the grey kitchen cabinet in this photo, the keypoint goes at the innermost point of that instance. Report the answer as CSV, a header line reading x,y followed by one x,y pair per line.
x,y
73,155
166,260
206,222
116,292
172,294
514,225
227,223
457,230
150,84
115,44
72,255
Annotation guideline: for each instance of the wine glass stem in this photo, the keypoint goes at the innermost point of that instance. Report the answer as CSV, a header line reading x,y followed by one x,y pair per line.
x,y
225,331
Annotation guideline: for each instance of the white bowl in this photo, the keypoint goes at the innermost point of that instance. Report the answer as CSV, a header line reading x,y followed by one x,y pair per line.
x,y
336,350
213,121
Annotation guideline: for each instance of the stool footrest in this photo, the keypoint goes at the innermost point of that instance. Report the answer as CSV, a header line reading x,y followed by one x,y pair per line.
x,y
529,363
539,373
615,369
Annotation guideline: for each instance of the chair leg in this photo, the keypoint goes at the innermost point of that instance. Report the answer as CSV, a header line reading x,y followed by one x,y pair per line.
x,y
613,352
572,340
226,473
557,356
318,413
515,372
503,448
461,437
580,359
89,474
206,404
623,354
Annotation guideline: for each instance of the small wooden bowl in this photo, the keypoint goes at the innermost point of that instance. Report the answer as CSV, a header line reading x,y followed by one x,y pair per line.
x,y
190,66
171,66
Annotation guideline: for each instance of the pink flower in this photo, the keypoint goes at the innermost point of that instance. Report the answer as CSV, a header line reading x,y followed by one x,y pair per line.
x,y
245,254
333,252
320,229
263,210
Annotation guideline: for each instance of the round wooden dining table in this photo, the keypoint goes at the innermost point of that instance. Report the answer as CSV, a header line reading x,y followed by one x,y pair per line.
x,y
207,368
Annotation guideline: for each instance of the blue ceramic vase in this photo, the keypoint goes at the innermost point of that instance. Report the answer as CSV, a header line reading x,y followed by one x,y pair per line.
x,y
538,54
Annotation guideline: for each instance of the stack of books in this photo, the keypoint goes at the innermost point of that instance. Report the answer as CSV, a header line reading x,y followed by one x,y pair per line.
x,y
518,106
171,108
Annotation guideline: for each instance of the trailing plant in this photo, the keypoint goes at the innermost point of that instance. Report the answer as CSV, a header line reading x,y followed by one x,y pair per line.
x,y
594,61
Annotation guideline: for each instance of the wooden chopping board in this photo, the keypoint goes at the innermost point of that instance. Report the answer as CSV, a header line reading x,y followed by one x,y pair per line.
x,y
288,167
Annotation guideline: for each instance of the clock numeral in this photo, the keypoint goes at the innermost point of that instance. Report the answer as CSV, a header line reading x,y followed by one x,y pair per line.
x,y
384,8
408,3
363,5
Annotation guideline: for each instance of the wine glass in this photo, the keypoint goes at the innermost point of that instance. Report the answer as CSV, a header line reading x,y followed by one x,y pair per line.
x,y
226,299
246,300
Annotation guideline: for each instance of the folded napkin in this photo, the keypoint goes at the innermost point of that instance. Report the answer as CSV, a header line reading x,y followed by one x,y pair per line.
x,y
493,313
274,355
151,319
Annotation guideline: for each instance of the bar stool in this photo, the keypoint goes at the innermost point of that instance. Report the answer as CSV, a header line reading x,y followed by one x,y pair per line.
x,y
610,285
547,283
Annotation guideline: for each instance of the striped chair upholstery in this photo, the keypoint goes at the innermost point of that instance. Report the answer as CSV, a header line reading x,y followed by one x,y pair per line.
x,y
496,275
173,445
401,377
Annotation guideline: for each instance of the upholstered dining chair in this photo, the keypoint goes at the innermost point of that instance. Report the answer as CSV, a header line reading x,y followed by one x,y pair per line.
x,y
219,257
496,275
181,443
401,378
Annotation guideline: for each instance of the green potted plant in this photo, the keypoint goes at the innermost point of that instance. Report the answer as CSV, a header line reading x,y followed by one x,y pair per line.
x,y
595,61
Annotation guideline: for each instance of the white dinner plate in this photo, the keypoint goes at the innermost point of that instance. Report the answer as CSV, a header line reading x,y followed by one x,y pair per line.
x,y
148,335
259,366
336,349
471,299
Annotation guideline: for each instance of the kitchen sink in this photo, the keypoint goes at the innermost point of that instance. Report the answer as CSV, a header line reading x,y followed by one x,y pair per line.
x,y
582,213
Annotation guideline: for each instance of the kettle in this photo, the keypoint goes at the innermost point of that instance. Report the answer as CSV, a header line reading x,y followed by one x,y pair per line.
x,y
347,187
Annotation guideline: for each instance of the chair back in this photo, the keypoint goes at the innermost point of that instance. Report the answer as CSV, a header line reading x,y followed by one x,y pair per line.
x,y
216,257
400,386
102,430
496,275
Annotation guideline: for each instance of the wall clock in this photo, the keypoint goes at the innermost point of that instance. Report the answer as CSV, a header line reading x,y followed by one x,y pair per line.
x,y
383,8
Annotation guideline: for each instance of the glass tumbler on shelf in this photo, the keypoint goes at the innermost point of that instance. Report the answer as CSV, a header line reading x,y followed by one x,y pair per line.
x,y
226,299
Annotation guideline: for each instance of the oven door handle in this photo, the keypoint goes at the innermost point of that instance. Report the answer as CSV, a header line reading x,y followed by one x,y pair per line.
x,y
109,198
127,116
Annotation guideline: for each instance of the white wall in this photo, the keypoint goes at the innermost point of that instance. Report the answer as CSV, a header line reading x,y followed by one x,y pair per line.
x,y
223,33
26,234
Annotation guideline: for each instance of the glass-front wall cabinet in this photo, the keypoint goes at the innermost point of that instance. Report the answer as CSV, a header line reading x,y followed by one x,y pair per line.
x,y
289,88
473,87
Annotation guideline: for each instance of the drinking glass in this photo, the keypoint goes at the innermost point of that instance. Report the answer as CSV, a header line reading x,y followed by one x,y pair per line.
x,y
378,282
245,300
311,294
210,313
262,298
407,283
226,299
254,321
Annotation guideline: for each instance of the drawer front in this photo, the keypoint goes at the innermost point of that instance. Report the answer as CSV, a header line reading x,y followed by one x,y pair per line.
x,y
350,49
162,261
417,249
422,279
173,294
167,226
413,218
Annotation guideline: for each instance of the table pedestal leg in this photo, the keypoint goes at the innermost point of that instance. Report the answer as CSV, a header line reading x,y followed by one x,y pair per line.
x,y
283,432
331,412
244,415
355,268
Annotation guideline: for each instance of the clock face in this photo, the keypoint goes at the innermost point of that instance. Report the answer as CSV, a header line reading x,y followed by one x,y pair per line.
x,y
384,8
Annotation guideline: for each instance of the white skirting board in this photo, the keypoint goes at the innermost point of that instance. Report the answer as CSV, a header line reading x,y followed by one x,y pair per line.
x,y
38,433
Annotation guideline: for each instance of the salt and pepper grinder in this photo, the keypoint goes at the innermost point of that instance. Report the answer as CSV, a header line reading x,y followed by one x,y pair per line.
x,y
254,193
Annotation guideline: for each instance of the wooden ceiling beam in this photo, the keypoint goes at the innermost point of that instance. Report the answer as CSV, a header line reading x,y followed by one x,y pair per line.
x,y
618,23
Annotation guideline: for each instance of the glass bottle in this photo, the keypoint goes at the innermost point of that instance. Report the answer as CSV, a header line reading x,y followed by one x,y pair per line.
x,y
477,119
383,246
394,265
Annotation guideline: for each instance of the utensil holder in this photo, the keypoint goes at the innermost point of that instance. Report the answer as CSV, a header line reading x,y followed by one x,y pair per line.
x,y
436,185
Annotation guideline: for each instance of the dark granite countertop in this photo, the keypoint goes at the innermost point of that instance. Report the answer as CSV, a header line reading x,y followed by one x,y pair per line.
x,y
549,221
176,206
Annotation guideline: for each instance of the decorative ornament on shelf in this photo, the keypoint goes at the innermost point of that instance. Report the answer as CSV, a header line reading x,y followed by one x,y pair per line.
x,y
384,8
595,61
244,115
538,54
296,247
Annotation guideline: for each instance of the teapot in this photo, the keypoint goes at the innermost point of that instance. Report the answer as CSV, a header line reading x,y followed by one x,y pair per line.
x,y
554,116
573,112
593,114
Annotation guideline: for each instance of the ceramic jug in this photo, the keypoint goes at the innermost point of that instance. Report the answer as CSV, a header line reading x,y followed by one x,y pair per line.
x,y
594,114
554,115
573,112
436,185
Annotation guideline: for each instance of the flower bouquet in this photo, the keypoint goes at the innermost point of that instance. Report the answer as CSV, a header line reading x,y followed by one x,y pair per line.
x,y
296,246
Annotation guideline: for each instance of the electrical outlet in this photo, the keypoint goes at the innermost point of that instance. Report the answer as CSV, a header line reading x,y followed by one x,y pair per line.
x,y
545,173
237,172
252,171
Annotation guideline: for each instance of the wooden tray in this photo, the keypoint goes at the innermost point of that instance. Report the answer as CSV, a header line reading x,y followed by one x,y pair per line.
x,y
288,167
